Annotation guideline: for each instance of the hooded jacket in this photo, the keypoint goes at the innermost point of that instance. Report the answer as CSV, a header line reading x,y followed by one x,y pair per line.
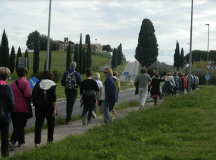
x,y
7,97
111,90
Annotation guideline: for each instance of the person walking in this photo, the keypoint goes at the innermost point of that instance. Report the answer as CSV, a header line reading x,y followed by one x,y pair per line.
x,y
168,85
177,82
143,80
22,97
71,79
44,100
6,106
88,88
111,94
155,87
183,84
98,94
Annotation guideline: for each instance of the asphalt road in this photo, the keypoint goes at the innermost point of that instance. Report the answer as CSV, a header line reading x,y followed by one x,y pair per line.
x,y
132,68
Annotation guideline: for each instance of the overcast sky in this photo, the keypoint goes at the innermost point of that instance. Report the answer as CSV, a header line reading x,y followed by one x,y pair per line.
x,y
112,22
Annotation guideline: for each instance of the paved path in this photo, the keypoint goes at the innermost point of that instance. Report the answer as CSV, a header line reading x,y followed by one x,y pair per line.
x,y
132,68
108,65
74,129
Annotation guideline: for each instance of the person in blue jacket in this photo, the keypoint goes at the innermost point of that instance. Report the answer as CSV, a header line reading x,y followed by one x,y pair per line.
x,y
111,94
7,102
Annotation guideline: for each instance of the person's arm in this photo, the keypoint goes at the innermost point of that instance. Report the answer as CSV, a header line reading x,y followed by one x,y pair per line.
x,y
10,100
136,80
54,109
96,88
27,91
63,79
81,89
53,97
79,79
118,85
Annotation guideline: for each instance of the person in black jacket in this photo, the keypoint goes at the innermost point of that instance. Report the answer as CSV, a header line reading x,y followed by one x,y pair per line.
x,y
46,110
7,102
88,88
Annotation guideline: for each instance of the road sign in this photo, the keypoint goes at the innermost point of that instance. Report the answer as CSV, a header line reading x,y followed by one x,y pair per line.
x,y
126,73
33,82
23,61
207,76
208,66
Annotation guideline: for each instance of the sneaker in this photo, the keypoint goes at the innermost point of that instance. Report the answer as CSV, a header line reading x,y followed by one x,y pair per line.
x,y
141,108
89,123
94,114
20,145
68,123
37,145
11,145
83,121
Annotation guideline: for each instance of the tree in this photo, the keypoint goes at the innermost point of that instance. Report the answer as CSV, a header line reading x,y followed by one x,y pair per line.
x,y
31,40
68,58
12,60
4,54
84,61
182,58
43,42
177,56
76,57
114,58
36,58
107,48
120,54
19,54
80,55
88,41
26,55
147,47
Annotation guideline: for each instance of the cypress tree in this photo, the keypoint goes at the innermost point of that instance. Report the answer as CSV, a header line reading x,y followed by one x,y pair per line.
x,y
84,61
68,58
177,56
36,58
76,57
26,55
114,58
4,57
12,60
182,58
19,54
89,60
50,58
80,55
147,47
119,54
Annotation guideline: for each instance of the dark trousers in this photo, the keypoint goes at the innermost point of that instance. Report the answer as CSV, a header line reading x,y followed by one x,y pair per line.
x,y
88,107
112,104
71,96
4,127
40,116
19,121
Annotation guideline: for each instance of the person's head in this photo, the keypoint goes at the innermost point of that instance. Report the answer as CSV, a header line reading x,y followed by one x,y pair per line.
x,y
143,70
164,74
97,76
169,74
88,73
48,75
4,73
157,75
73,65
195,74
114,73
22,71
175,73
108,72
181,75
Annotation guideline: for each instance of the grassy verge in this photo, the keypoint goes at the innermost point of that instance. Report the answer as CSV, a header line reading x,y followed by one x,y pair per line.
x,y
126,85
183,127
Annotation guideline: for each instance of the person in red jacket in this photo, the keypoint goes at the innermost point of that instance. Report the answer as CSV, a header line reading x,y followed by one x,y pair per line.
x,y
183,84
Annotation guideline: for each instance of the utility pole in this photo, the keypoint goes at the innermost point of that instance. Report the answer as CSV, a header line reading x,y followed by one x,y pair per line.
x,y
207,52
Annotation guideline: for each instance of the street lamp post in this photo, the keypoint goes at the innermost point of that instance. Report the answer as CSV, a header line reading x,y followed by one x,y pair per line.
x,y
207,52
96,50
48,40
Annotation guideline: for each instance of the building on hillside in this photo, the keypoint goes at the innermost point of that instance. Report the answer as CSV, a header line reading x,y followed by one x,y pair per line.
x,y
63,46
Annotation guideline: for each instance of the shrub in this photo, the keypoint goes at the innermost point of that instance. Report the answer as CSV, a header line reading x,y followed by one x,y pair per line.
x,y
38,75
95,67
57,75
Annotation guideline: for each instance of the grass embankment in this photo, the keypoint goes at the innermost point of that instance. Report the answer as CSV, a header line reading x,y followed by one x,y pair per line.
x,y
182,127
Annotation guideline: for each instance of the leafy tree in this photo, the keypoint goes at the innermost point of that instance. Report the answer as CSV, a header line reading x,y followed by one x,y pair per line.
x,y
80,55
182,58
26,55
177,56
12,60
19,54
120,55
84,60
31,40
4,54
107,48
36,58
43,42
68,58
147,47
76,57
197,55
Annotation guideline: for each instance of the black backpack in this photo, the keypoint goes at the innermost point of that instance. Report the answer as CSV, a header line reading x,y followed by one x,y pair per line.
x,y
3,118
70,81
39,97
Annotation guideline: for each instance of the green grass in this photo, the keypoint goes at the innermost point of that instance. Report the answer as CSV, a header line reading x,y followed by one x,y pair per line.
x,y
182,127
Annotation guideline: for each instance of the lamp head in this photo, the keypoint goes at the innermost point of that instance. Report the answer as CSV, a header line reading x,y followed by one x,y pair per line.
x,y
207,24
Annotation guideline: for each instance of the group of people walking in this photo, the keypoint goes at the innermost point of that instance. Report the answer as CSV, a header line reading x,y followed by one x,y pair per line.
x,y
170,83
15,102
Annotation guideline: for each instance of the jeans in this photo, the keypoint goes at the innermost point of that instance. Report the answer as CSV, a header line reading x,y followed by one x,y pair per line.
x,y
4,128
107,117
19,122
143,96
88,107
71,96
181,89
40,116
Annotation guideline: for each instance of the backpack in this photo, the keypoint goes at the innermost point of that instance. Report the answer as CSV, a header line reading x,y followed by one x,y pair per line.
x,y
183,82
39,97
2,111
70,81
195,80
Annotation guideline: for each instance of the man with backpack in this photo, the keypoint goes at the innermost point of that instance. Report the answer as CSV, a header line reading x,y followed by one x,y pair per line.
x,y
71,79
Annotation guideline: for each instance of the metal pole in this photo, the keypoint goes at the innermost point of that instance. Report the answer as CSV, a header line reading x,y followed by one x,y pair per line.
x,y
48,40
207,53
96,50
190,55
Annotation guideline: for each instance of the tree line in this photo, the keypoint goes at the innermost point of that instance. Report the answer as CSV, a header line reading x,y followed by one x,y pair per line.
x,y
117,56
199,55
